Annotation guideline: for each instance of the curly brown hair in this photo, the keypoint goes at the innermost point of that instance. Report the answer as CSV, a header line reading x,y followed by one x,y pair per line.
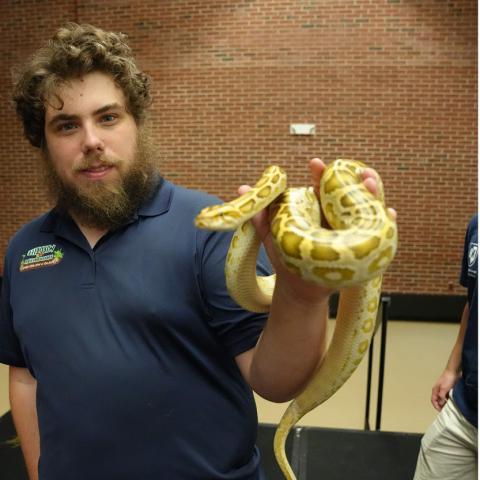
x,y
74,51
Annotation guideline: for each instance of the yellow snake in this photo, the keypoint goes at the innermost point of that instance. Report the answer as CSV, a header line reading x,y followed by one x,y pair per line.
x,y
354,253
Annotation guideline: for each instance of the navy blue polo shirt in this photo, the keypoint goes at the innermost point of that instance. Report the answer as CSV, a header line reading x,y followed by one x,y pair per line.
x,y
465,392
133,346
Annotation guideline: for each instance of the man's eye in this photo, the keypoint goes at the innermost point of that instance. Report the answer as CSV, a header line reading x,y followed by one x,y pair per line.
x,y
109,118
66,127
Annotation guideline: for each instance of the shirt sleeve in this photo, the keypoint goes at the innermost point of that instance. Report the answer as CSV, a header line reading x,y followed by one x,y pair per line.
x,y
237,328
10,351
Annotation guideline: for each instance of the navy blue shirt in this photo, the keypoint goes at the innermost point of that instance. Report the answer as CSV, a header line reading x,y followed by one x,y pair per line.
x,y
133,346
465,392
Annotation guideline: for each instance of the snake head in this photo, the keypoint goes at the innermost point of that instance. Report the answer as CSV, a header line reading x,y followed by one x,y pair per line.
x,y
218,217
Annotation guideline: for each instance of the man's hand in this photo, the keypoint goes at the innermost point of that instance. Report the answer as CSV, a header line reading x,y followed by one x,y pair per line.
x,y
441,389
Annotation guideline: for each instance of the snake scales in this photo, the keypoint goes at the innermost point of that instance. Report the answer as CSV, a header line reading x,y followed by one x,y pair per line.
x,y
354,253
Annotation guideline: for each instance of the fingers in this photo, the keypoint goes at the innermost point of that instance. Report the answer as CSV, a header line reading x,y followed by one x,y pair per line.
x,y
438,402
243,189
369,173
370,180
371,184
392,213
317,166
439,396
435,398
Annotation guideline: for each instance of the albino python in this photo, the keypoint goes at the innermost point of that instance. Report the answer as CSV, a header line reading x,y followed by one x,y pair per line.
x,y
354,253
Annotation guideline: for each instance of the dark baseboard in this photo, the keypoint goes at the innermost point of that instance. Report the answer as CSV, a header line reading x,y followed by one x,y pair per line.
x,y
339,454
425,308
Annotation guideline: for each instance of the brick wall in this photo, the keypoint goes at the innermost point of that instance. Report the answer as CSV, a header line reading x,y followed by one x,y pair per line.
x,y
391,82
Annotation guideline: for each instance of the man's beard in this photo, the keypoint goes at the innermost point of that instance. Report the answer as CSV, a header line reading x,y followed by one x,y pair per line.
x,y
107,205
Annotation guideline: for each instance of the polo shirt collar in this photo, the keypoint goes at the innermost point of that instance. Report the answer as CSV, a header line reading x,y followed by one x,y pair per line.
x,y
159,202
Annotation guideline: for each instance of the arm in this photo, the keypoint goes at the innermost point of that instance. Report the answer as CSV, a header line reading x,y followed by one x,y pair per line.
x,y
452,371
23,389
294,339
292,343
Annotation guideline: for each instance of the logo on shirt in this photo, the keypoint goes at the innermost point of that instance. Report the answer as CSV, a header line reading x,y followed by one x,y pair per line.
x,y
472,258
43,256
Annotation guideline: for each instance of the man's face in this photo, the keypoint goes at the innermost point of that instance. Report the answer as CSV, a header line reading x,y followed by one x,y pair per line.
x,y
91,138
97,158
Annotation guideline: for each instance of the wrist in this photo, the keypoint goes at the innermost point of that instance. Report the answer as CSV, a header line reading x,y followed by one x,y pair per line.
x,y
452,372
300,292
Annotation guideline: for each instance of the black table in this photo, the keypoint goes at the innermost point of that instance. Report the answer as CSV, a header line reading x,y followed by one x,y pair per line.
x,y
314,453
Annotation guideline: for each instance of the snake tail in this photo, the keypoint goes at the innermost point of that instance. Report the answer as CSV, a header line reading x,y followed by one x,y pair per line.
x,y
289,419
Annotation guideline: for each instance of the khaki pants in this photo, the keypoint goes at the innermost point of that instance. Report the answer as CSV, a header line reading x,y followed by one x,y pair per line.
x,y
449,448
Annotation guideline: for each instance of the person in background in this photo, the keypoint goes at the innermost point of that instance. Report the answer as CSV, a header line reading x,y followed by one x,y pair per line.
x,y
449,447
128,359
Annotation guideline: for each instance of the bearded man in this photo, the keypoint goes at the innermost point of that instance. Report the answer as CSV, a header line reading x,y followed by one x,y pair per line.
x,y
128,360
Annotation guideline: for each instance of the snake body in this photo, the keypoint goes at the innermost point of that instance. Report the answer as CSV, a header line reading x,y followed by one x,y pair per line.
x,y
351,256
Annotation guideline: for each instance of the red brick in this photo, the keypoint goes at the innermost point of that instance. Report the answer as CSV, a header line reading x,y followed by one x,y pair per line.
x,y
390,83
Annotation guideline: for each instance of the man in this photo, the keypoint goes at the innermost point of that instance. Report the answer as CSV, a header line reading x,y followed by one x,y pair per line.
x,y
449,447
128,358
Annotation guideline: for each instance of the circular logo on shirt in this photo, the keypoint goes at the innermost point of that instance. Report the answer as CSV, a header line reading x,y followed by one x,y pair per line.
x,y
472,254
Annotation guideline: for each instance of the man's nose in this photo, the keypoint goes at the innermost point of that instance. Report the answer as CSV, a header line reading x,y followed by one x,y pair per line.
x,y
92,141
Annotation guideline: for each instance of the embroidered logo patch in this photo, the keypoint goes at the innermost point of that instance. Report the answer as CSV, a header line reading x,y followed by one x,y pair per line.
x,y
43,256
472,254
472,259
